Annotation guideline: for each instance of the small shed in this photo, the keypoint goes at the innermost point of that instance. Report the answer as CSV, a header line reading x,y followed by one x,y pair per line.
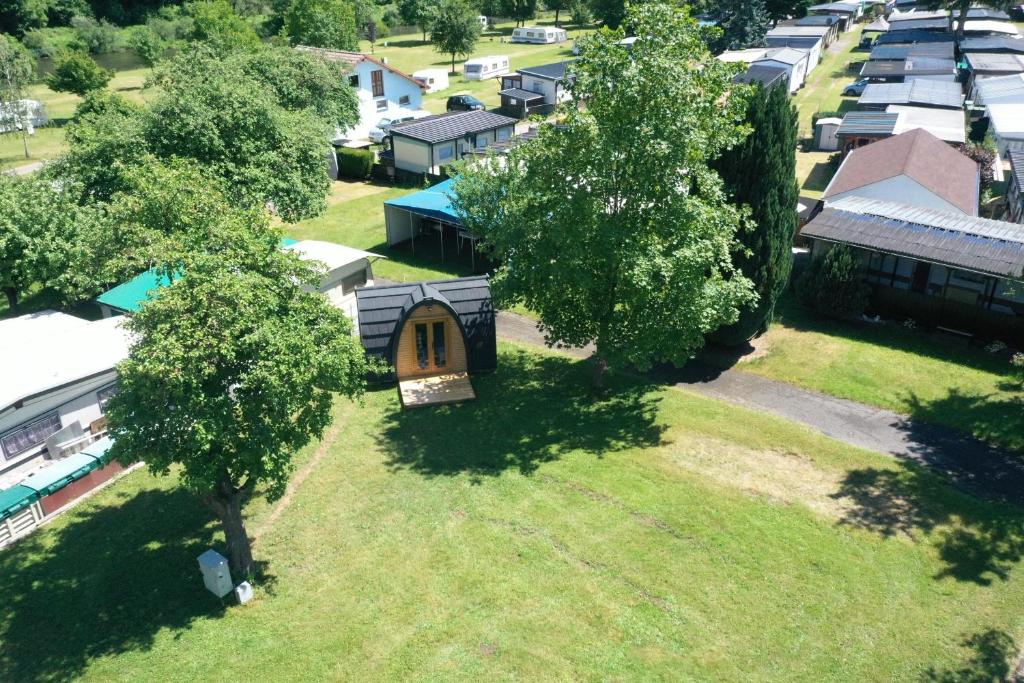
x,y
825,134
433,334
346,269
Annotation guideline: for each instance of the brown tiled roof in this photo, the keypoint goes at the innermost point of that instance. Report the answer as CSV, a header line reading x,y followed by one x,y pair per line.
x,y
350,59
920,156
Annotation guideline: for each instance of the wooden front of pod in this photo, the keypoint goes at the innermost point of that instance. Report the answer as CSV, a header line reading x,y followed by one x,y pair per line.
x,y
430,343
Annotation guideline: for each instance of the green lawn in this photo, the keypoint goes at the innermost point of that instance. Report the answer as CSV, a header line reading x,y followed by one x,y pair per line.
x,y
839,66
48,142
537,534
936,378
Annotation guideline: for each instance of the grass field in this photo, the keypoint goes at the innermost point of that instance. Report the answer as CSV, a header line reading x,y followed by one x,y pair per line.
x,y
537,534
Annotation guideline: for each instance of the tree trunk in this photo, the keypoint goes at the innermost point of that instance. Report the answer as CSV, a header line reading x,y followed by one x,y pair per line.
x,y
24,138
12,299
226,503
964,8
556,16
453,63
600,369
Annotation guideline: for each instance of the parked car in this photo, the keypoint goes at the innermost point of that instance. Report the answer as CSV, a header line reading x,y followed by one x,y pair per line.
x,y
383,127
464,103
856,88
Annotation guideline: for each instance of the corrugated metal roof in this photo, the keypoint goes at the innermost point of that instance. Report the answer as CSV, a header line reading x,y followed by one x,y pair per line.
x,y
924,92
987,13
988,26
1007,119
1017,166
843,7
992,44
945,124
977,244
799,31
817,20
871,123
451,126
914,37
912,66
938,50
767,75
785,55
900,17
918,25
521,94
798,42
554,72
1001,89
995,62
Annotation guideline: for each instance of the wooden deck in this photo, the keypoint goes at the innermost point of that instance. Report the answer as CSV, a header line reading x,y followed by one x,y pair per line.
x,y
436,390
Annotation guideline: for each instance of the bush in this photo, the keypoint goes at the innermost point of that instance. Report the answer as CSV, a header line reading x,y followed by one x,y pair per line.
x,y
834,285
355,164
98,37
77,73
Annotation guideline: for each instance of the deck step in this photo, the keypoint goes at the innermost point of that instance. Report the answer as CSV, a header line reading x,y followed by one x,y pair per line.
x,y
436,390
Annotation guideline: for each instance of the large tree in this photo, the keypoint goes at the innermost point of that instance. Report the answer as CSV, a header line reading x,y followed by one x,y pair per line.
x,y
215,23
611,226
243,117
321,23
454,29
609,12
783,9
760,173
417,13
16,71
520,10
76,72
233,368
39,230
960,8
744,23
558,6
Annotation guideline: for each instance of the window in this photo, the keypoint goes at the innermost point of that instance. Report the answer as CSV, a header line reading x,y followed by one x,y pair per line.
x,y
348,284
404,99
382,105
104,395
969,277
377,80
422,354
440,354
445,153
503,134
353,80
29,436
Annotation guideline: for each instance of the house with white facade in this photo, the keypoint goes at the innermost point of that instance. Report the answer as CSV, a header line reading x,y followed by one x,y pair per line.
x,y
382,89
427,145
795,62
58,371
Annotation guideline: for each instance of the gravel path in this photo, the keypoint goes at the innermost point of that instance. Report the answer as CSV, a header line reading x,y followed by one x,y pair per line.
x,y
964,459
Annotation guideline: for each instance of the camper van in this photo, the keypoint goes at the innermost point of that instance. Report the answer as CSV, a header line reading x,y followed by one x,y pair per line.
x,y
434,80
482,20
482,68
538,34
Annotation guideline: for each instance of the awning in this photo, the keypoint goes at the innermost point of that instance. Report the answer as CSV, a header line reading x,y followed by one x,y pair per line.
x,y
60,474
100,450
434,202
520,94
16,499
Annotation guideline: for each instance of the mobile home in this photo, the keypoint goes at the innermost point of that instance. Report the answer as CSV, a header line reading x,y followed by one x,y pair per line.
x,y
538,34
433,80
480,68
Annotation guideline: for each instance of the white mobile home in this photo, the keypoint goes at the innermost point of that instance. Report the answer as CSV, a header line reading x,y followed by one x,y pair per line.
x,y
794,61
347,268
481,68
540,35
432,80
58,372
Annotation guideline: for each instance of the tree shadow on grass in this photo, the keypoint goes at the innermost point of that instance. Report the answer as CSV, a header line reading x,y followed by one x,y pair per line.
x,y
102,584
997,419
532,410
978,541
991,650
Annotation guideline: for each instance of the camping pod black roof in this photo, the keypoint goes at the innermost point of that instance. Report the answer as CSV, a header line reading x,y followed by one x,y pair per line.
x,y
383,310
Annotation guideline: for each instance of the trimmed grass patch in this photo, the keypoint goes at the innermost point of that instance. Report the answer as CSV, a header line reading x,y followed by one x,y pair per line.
x,y
537,533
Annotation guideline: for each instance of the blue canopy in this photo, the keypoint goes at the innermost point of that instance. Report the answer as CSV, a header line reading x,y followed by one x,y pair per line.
x,y
434,202
61,473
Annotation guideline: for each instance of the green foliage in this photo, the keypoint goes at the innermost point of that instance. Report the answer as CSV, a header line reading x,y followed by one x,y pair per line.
x,y
782,9
759,173
612,228
454,29
558,6
40,225
17,69
49,42
147,44
579,10
241,117
18,16
61,12
833,285
321,23
611,13
98,37
234,367
77,73
216,24
355,164
520,10
744,24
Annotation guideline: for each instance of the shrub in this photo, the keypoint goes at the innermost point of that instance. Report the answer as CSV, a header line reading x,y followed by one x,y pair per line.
x,y
355,164
834,285
98,37
77,73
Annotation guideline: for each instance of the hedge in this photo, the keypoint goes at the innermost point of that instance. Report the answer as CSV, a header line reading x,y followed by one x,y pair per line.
x,y
355,164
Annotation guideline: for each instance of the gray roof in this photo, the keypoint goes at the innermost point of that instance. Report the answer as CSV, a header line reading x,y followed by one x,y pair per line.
x,y
912,66
992,44
451,126
802,43
1000,89
842,7
903,51
918,25
923,92
767,75
817,20
799,31
381,309
903,17
1017,166
521,94
913,37
977,244
995,62
867,123
987,13
784,55
552,72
